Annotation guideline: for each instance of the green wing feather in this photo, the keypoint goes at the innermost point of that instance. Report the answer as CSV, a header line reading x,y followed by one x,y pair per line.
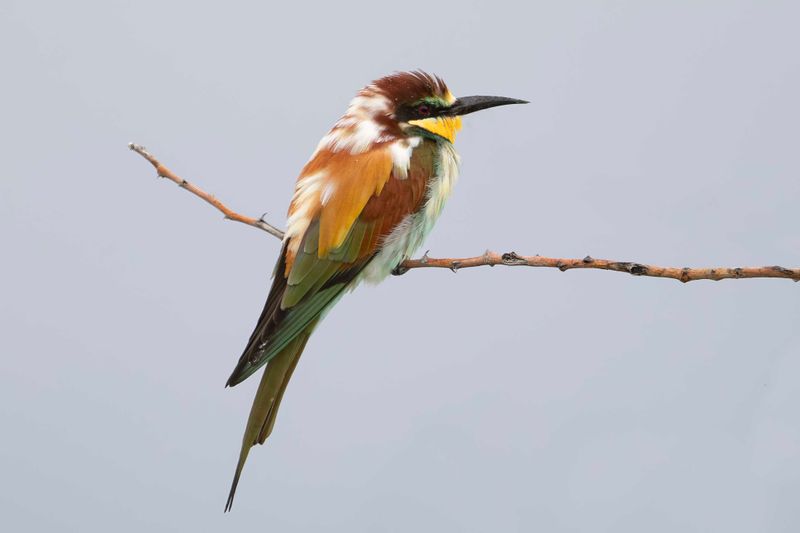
x,y
314,284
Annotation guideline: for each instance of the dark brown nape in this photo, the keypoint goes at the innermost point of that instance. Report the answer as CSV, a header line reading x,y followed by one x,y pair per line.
x,y
403,87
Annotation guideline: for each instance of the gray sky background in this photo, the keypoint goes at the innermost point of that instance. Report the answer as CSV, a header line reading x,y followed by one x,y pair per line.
x,y
491,400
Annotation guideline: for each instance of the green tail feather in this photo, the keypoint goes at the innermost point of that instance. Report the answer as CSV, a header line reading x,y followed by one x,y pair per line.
x,y
268,398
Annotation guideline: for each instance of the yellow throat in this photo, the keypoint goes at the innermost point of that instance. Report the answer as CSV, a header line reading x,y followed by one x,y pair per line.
x,y
446,127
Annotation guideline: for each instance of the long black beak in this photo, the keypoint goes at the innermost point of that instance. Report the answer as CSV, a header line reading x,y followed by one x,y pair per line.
x,y
470,104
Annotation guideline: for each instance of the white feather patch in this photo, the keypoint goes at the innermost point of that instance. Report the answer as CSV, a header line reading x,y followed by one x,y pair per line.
x,y
305,198
356,131
366,133
371,104
327,192
401,155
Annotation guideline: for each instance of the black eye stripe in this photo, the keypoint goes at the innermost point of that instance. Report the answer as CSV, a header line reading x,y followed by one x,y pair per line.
x,y
416,111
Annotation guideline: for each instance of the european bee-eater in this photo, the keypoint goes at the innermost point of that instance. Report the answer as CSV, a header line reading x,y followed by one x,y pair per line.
x,y
363,203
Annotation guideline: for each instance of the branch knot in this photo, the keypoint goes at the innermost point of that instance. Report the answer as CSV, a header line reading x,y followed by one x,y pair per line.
x,y
637,270
512,259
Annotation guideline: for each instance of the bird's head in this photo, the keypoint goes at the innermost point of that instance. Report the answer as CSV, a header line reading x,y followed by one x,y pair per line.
x,y
405,104
423,104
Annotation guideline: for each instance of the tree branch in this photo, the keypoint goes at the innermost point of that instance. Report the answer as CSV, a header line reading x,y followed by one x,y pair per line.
x,y
489,258
164,172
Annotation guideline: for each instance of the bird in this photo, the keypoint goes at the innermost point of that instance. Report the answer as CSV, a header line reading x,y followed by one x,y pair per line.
x,y
363,203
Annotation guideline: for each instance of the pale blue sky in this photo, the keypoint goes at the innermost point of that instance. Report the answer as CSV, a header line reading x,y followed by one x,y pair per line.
x,y
491,400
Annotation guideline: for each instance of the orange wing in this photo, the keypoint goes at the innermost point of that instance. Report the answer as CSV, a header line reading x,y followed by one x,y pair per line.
x,y
334,187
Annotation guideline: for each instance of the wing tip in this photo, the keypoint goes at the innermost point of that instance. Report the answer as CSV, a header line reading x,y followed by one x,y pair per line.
x,y
239,374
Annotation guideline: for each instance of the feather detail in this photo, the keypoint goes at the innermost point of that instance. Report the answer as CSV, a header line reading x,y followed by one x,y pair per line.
x,y
334,187
357,178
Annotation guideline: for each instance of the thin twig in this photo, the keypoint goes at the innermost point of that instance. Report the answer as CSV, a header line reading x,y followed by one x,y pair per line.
x,y
164,172
489,258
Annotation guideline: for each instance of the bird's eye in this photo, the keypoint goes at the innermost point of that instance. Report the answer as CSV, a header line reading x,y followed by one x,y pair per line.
x,y
424,110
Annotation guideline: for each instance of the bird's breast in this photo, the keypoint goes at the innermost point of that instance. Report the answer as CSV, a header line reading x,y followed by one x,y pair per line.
x,y
409,234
